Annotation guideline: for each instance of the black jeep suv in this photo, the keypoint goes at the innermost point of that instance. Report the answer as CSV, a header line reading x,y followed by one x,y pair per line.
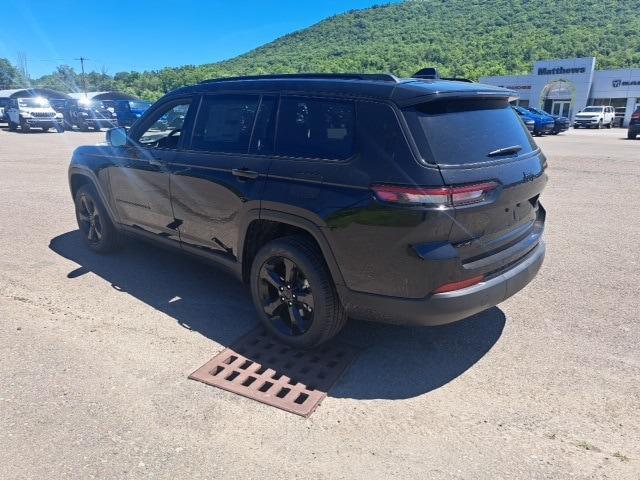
x,y
410,201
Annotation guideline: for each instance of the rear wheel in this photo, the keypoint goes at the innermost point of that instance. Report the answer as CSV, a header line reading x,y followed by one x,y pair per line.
x,y
294,294
97,230
631,136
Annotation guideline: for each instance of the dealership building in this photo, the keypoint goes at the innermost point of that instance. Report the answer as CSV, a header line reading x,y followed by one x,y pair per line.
x,y
564,87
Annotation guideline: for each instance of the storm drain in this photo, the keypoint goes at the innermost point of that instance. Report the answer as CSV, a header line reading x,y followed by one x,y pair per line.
x,y
259,367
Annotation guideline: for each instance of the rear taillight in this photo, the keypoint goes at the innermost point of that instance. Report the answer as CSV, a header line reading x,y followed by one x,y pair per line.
x,y
635,116
450,287
439,196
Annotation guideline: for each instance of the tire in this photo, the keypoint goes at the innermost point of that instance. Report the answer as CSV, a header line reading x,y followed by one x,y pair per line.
x,y
60,128
25,127
631,136
96,228
610,124
13,126
308,277
83,127
599,127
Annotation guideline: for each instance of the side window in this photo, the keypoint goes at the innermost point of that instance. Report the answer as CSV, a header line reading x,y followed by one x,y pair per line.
x,y
264,130
315,128
225,123
166,126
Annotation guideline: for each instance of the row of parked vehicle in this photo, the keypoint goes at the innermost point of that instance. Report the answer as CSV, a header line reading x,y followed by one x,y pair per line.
x,y
65,114
539,122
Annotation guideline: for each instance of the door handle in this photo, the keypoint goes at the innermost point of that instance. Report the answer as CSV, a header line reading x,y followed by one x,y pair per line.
x,y
244,173
155,162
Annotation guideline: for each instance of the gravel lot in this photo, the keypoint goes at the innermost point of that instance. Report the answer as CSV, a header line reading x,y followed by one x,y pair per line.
x,y
96,351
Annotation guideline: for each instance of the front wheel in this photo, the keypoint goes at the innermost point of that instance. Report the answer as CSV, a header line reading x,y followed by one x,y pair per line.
x,y
60,128
25,127
294,294
13,126
599,125
97,230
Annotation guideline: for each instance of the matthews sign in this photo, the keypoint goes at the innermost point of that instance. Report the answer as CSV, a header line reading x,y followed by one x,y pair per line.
x,y
560,70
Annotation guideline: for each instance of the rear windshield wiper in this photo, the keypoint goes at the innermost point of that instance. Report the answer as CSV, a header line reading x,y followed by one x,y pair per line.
x,y
505,151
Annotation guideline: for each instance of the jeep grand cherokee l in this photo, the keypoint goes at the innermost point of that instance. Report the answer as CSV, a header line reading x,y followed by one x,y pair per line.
x,y
330,195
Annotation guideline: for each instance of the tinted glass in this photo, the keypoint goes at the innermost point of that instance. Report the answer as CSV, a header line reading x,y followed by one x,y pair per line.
x,y
464,131
224,123
263,132
315,128
165,130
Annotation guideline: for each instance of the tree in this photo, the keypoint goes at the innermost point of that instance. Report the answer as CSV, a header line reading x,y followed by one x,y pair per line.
x,y
9,75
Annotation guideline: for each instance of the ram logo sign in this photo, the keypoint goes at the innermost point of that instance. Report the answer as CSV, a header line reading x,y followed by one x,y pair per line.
x,y
621,83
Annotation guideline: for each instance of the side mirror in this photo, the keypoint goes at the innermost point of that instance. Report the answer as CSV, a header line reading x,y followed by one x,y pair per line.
x,y
117,137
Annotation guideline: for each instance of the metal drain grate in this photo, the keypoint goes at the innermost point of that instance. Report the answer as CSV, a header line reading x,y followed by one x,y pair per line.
x,y
259,367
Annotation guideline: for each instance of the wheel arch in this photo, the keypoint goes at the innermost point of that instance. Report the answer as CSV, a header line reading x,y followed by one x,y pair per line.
x,y
262,226
79,176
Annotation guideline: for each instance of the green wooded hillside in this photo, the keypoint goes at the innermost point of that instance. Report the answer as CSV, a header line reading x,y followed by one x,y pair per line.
x,y
467,38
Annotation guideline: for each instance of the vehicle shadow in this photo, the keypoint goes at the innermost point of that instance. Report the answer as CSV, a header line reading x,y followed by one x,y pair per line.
x,y
395,362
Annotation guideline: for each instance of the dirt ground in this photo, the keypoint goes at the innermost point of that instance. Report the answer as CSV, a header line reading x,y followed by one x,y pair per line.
x,y
95,351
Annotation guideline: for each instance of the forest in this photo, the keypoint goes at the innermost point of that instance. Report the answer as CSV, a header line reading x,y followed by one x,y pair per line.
x,y
467,38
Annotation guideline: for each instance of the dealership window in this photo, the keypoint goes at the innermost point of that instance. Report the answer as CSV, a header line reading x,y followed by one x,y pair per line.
x,y
614,102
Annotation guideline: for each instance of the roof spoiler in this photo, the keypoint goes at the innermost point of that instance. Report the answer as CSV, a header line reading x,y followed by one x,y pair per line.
x,y
431,73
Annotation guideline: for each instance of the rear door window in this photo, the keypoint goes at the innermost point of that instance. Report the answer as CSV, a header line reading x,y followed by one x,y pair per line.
x,y
465,131
224,123
315,128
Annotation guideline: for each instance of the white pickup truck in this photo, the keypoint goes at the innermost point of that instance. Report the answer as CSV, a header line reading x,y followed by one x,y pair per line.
x,y
595,117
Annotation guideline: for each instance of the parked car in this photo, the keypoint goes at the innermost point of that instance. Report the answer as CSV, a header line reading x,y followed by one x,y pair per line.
x,y
128,111
3,104
330,195
543,124
530,124
32,112
618,120
86,114
560,124
634,124
594,117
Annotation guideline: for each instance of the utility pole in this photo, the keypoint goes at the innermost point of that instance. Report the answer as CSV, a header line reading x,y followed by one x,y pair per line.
x,y
84,81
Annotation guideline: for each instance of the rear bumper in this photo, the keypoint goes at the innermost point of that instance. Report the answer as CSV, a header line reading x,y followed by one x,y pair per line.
x,y
447,307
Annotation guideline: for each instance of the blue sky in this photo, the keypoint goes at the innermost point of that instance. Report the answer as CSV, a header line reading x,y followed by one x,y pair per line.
x,y
149,34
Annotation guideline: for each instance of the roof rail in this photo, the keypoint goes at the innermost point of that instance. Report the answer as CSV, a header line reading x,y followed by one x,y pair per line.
x,y
382,77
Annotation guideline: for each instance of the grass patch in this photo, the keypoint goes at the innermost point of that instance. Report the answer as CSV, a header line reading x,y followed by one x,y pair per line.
x,y
587,446
621,456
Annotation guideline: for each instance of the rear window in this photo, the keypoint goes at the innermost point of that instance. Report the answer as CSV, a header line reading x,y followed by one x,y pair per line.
x,y
463,131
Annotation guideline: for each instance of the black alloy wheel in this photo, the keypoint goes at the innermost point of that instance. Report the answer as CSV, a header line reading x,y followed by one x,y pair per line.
x,y
294,294
286,296
89,219
94,223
